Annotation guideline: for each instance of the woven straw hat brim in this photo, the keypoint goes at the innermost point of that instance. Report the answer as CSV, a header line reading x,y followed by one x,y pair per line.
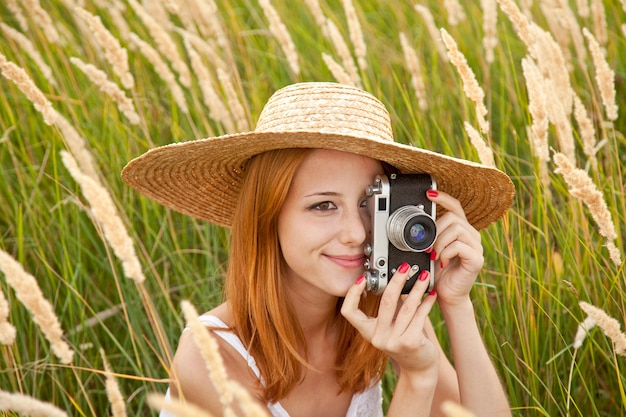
x,y
202,178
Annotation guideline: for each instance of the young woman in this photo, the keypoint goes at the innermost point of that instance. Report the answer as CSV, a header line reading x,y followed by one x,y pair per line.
x,y
298,328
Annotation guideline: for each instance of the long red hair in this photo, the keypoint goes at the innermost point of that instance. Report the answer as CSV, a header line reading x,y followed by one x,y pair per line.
x,y
264,317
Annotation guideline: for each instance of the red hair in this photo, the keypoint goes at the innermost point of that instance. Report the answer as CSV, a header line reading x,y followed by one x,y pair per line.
x,y
264,317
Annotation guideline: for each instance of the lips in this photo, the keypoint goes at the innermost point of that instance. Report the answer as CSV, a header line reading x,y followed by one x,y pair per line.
x,y
347,261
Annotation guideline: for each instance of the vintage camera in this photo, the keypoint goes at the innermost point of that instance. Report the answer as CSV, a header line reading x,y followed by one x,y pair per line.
x,y
403,228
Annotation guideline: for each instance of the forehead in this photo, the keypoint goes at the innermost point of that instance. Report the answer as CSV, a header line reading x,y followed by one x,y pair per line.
x,y
336,168
329,159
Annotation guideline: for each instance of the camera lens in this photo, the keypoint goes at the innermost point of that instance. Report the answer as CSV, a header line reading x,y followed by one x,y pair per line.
x,y
410,228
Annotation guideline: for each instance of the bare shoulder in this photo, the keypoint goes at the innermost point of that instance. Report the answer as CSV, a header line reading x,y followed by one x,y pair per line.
x,y
191,380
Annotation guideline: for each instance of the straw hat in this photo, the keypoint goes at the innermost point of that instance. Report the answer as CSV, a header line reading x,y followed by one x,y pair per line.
x,y
202,178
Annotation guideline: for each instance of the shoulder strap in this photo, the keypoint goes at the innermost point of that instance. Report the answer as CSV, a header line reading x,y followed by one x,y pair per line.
x,y
231,338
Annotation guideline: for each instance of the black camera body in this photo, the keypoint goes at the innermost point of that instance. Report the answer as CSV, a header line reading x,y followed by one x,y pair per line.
x,y
403,228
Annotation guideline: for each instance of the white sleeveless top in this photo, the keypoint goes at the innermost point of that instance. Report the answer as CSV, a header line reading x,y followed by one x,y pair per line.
x,y
368,403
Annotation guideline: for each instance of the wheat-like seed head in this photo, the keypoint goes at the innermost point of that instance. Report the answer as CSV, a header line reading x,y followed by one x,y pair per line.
x,y
20,78
28,406
344,53
280,32
605,76
113,51
356,34
30,295
209,350
413,65
7,330
431,27
490,32
107,217
471,87
108,87
118,405
609,326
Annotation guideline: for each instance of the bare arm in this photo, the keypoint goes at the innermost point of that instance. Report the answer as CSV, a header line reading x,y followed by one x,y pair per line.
x,y
460,254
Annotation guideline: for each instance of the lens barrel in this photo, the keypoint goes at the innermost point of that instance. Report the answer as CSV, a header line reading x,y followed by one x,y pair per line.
x,y
411,229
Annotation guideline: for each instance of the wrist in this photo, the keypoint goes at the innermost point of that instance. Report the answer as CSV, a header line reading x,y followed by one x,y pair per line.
x,y
461,305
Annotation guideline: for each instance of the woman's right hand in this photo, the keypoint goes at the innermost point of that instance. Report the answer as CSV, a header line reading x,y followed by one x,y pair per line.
x,y
398,330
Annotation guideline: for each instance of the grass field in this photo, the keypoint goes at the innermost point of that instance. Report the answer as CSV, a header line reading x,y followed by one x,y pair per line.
x,y
92,270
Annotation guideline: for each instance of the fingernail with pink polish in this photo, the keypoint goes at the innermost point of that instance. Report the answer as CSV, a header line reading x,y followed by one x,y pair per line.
x,y
403,268
432,193
423,275
433,255
359,280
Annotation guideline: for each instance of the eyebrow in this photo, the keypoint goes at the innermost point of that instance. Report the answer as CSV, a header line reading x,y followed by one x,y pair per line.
x,y
325,194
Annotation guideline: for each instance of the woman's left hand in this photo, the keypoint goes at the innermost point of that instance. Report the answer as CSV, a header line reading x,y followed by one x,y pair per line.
x,y
458,252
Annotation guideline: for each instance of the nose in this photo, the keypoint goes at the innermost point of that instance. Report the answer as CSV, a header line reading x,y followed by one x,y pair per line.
x,y
354,227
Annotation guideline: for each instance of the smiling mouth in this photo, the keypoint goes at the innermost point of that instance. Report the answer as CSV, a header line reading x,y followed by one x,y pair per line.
x,y
351,262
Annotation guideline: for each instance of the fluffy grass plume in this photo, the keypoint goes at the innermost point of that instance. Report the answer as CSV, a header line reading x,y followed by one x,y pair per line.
x,y
106,215
582,187
610,326
27,406
30,295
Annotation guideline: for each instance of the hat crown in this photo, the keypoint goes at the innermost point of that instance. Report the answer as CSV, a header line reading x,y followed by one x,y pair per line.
x,y
326,108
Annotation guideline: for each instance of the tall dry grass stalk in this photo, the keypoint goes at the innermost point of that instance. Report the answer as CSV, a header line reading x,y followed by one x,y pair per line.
x,y
162,70
7,330
208,19
609,326
485,153
205,47
114,394
586,130
553,66
598,17
212,100
521,23
280,32
164,43
538,109
583,8
356,34
20,78
568,18
605,76
455,12
490,28
108,87
27,46
471,87
452,409
28,406
414,67
237,108
318,15
431,27
581,186
78,146
16,10
43,20
209,350
249,406
114,53
335,68
106,216
344,53
28,292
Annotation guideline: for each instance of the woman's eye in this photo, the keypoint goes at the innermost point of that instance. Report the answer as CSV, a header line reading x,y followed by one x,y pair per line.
x,y
364,203
323,206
